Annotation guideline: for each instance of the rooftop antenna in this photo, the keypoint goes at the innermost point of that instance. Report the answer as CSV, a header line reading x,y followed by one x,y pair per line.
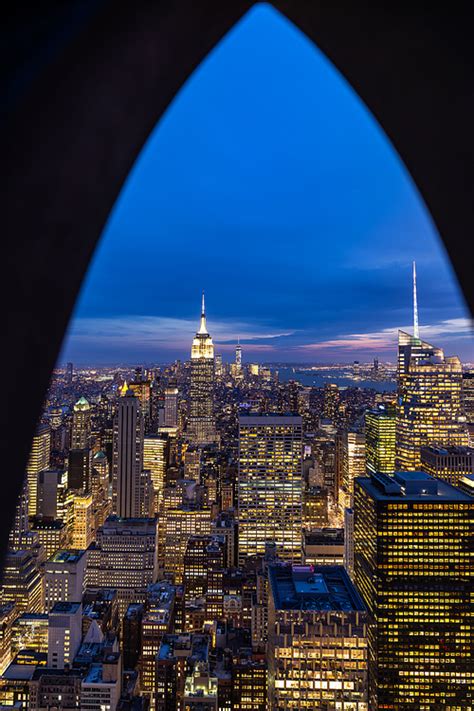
x,y
416,330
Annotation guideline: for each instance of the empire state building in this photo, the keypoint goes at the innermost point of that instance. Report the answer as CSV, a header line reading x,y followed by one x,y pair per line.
x,y
201,424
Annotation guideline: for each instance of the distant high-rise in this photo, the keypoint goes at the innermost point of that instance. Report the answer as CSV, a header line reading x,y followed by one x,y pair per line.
x,y
171,404
380,433
39,460
69,373
128,458
468,396
81,425
270,485
155,458
353,465
331,400
429,400
201,423
412,546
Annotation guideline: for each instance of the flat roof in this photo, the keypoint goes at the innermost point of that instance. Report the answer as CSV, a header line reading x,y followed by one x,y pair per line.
x,y
314,587
325,537
66,556
65,608
416,487
449,450
270,418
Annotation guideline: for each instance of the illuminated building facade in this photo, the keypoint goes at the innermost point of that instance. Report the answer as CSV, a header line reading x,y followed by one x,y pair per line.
x,y
21,582
8,614
171,404
180,524
448,463
380,435
467,392
156,622
324,547
270,485
331,400
201,422
249,684
353,465
52,534
413,569
128,458
64,633
64,577
155,457
39,459
429,400
315,614
19,532
81,425
124,557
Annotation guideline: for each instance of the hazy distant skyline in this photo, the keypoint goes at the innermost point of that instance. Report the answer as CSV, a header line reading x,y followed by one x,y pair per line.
x,y
268,184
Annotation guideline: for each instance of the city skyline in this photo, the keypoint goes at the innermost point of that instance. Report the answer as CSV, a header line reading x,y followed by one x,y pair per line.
x,y
269,184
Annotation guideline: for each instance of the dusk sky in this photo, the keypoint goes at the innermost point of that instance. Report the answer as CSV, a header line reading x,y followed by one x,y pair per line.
x,y
268,184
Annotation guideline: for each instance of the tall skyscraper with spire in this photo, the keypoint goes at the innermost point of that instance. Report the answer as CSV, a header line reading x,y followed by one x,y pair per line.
x,y
201,422
429,396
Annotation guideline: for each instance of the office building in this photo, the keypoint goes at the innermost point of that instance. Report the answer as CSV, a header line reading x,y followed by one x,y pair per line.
x,y
353,465
412,543
182,522
270,485
128,458
171,404
324,546
79,470
201,423
380,435
467,394
39,459
64,633
124,557
331,401
64,577
447,463
315,614
81,425
429,400
8,614
18,539
21,582
83,523
52,485
155,458
249,684
51,534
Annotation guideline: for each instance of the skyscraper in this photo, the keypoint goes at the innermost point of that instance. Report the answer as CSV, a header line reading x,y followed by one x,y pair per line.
x,y
171,404
331,400
412,538
81,425
380,432
128,458
270,485
201,423
353,465
429,409
39,460
429,400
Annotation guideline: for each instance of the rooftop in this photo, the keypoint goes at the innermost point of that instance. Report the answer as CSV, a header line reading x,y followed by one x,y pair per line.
x,y
65,608
411,486
325,536
318,588
67,556
451,450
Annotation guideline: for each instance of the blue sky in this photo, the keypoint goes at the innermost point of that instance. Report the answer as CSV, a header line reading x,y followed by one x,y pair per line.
x,y
268,184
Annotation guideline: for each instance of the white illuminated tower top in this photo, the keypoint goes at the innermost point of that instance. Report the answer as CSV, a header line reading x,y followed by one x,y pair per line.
x,y
416,330
202,346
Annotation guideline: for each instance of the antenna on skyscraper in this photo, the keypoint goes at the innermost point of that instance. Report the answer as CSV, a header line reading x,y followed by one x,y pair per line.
x,y
416,331
203,306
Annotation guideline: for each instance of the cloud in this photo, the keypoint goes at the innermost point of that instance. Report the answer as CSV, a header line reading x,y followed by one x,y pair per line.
x,y
165,333
386,339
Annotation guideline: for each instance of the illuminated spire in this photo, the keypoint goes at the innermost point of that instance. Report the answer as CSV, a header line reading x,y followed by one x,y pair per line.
x,y
203,327
416,331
